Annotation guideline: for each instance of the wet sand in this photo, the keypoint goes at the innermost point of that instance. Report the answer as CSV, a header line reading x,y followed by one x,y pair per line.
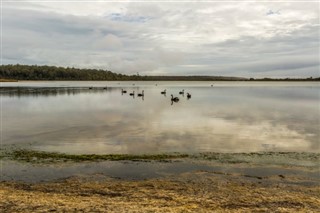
x,y
199,191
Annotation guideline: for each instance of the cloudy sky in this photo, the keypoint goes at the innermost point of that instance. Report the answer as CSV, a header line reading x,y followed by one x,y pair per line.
x,y
240,38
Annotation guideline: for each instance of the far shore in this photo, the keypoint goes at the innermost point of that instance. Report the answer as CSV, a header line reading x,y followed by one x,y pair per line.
x,y
8,80
195,80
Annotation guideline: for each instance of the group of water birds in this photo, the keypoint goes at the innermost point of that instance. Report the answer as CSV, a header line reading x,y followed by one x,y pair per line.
x,y
164,92
176,99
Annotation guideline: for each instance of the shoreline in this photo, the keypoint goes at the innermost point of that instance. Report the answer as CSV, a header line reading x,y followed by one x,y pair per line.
x,y
199,191
220,182
217,81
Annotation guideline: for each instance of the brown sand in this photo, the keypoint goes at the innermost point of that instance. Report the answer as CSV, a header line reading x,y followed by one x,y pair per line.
x,y
192,192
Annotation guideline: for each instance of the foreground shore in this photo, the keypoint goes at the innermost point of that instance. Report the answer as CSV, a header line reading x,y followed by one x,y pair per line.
x,y
33,181
189,192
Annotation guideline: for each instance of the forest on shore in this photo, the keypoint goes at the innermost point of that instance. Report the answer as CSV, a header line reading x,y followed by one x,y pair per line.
x,y
34,72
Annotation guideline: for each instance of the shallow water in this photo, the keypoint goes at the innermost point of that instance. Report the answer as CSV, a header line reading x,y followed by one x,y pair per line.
x,y
226,117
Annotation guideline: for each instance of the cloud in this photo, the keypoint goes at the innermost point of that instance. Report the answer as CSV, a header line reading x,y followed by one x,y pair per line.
x,y
168,57
270,12
131,66
109,41
169,38
127,18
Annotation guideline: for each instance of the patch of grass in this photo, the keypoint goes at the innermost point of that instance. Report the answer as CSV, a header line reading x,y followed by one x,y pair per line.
x,y
40,156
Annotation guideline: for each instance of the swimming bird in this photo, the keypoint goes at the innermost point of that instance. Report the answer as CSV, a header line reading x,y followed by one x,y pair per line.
x,y
132,94
188,95
141,94
164,91
175,99
181,92
123,91
105,87
90,87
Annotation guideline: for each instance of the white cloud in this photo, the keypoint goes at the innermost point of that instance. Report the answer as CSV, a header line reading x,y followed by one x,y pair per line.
x,y
109,41
206,38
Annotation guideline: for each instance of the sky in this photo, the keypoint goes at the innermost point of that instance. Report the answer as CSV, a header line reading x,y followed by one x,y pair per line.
x,y
219,38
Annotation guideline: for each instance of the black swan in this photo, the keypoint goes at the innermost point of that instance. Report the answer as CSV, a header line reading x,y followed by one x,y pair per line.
x,y
175,99
141,94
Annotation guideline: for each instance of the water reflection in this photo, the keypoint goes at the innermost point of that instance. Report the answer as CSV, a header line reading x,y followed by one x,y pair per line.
x,y
50,91
216,119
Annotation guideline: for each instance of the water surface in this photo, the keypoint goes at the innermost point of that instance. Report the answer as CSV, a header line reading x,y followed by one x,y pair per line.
x,y
225,117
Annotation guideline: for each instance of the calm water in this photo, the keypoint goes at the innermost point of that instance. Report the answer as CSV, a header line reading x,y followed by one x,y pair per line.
x,y
227,117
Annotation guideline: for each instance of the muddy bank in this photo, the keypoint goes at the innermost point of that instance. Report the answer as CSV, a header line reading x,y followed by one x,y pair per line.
x,y
188,192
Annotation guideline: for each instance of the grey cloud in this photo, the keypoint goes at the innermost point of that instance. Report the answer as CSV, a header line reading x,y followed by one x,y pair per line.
x,y
109,41
173,39
43,23
280,64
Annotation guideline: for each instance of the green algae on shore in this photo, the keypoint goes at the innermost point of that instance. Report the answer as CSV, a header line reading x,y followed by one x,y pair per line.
x,y
300,159
41,156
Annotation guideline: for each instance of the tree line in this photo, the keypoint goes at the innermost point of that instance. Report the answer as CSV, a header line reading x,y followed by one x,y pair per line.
x,y
35,72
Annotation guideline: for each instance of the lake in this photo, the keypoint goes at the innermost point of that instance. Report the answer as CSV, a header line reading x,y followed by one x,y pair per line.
x,y
69,117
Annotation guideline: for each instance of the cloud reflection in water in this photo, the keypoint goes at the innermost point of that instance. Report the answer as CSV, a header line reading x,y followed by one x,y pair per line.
x,y
220,119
